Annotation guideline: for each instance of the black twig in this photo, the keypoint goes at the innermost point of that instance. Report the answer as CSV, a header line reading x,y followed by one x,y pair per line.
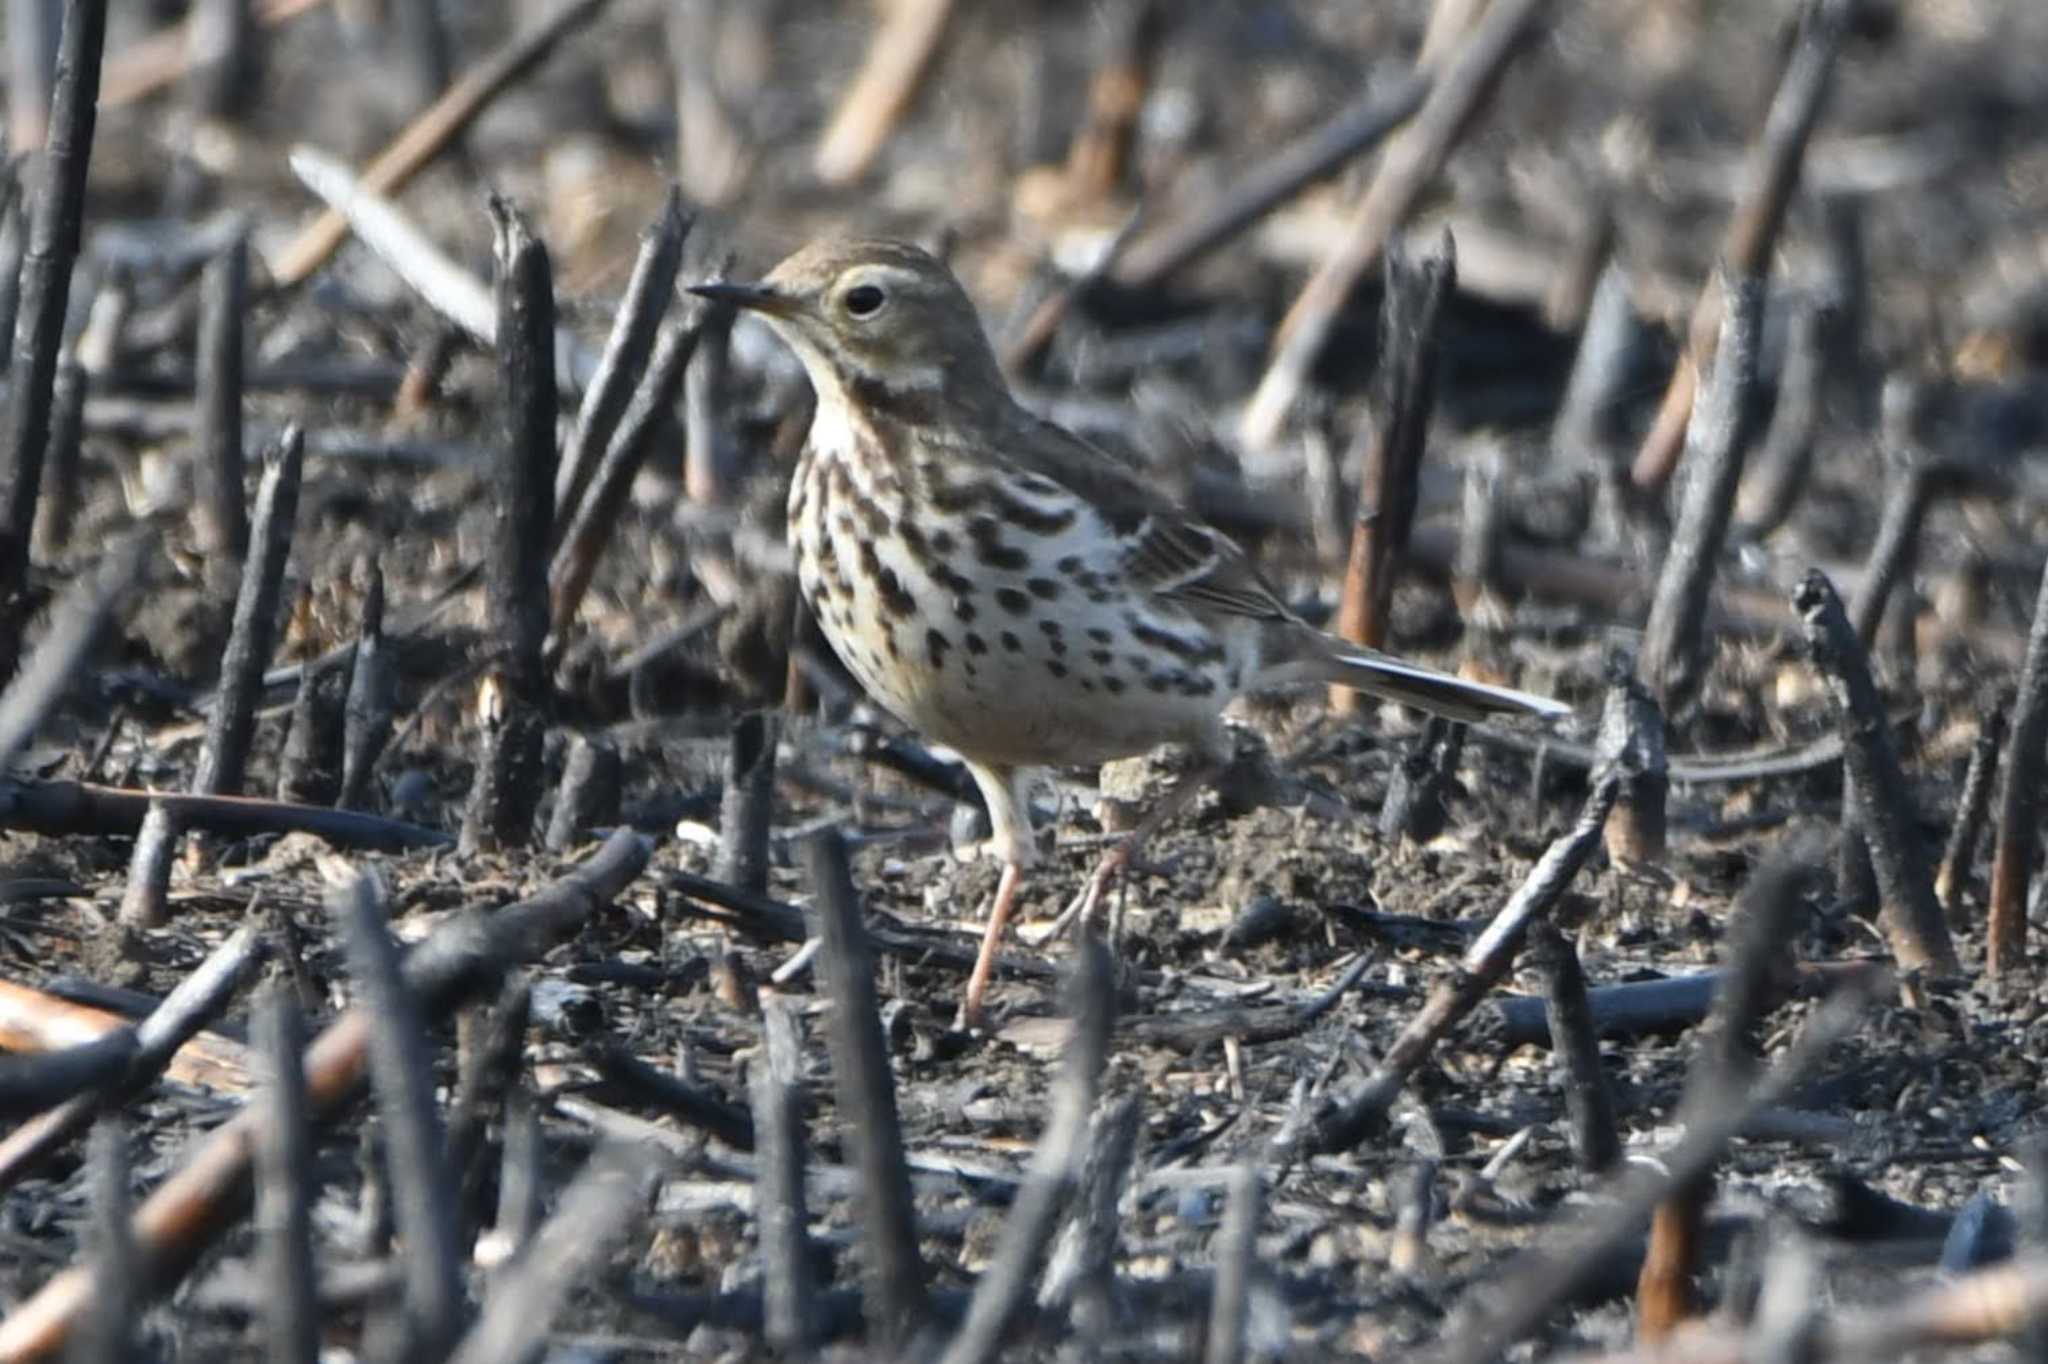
x,y
33,1082
632,441
588,798
401,1074
894,1295
519,1180
1546,1275
143,903
789,1317
649,291
1236,1259
1975,803
1576,1049
309,767
1674,659
1416,806
1055,1167
2019,801
198,999
1587,431
593,1211
283,1154
1910,918
1631,741
55,222
1344,1123
747,808
366,714
689,1103
515,585
1083,1265
490,1042
1388,453
707,439
118,1290
76,625
1784,457
218,510
61,458
233,721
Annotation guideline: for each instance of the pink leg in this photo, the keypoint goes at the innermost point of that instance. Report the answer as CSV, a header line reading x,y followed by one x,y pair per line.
x,y
991,938
1117,860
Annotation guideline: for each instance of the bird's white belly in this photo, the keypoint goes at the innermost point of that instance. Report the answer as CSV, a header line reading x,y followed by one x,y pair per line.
x,y
1016,646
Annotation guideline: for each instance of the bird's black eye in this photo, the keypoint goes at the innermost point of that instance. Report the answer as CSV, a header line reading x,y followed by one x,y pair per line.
x,y
864,300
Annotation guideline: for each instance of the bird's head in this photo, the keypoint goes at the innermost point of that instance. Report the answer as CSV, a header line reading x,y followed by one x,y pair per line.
x,y
870,318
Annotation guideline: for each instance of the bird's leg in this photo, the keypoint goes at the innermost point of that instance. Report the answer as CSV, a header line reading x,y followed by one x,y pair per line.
x,y
1124,852
991,938
1004,791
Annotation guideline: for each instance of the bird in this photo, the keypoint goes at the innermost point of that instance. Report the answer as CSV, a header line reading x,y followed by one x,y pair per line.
x,y
1007,589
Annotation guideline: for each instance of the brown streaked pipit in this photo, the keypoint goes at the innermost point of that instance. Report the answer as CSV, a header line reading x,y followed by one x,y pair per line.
x,y
1005,588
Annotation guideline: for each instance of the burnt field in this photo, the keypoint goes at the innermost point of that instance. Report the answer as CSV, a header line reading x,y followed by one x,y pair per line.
x,y
454,904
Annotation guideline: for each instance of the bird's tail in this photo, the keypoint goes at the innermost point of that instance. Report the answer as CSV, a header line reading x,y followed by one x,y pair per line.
x,y
1377,674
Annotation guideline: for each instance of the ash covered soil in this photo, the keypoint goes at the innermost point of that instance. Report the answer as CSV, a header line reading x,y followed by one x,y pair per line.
x,y
1617,131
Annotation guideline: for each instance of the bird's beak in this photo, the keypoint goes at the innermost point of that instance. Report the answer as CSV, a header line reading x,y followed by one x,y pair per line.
x,y
755,297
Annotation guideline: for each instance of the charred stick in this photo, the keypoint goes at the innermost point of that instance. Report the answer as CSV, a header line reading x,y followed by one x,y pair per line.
x,y
1784,457
1416,1214
1588,419
1908,914
490,1043
309,767
61,458
689,1103
366,713
13,246
707,442
32,28
513,693
787,1284
39,1081
1236,1260
1390,453
2019,802
898,53
711,155
1911,490
515,585
466,955
118,1290
1410,164
233,722
1083,1266
149,869
632,441
218,512
75,627
1346,1122
1349,133
1417,792
1475,569
519,1180
747,808
649,291
402,1077
1961,851
1632,742
1769,178
1544,1276
221,54
1576,1049
55,221
593,1213
1675,643
1116,94
894,1295
282,1151
199,999
70,807
435,128
1055,1167
588,798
